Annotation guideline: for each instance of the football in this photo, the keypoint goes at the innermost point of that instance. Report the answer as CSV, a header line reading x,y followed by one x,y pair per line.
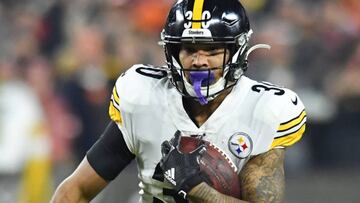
x,y
220,170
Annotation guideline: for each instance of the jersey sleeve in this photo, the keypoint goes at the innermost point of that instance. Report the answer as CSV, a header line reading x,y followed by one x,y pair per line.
x,y
132,94
291,122
120,109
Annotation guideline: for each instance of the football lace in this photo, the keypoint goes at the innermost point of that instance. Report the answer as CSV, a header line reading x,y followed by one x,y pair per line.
x,y
232,165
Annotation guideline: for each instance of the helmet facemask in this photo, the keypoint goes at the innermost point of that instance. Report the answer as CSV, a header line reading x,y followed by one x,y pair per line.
x,y
215,23
202,83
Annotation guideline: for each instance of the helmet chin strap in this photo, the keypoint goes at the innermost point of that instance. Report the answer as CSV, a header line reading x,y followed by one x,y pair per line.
x,y
196,89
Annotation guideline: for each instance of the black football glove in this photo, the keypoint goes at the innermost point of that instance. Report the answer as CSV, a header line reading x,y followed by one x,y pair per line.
x,y
182,170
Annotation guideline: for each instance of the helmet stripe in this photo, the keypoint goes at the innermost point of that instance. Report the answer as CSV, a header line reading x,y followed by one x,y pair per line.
x,y
197,12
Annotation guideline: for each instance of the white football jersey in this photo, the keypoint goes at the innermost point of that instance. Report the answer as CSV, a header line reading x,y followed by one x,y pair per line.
x,y
254,118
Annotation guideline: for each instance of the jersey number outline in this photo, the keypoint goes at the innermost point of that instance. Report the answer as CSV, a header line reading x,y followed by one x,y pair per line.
x,y
268,87
205,17
151,72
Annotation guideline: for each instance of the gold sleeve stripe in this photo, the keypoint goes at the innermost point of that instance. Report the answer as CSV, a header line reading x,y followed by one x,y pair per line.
x,y
114,113
288,139
295,125
197,12
115,96
293,122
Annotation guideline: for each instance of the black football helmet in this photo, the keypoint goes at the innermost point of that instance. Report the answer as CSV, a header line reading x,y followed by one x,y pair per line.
x,y
223,23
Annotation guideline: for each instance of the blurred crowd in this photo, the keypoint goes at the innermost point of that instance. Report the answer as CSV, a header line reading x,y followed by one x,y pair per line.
x,y
59,60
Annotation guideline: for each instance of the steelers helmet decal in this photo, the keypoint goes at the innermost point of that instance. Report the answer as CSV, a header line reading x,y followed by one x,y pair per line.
x,y
210,19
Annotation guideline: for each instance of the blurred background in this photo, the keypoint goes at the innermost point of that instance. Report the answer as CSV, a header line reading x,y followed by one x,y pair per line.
x,y
59,60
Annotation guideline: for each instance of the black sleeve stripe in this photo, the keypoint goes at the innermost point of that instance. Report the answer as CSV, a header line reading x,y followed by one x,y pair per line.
x,y
116,93
292,133
286,122
292,123
283,130
110,154
112,104
288,139
113,101
115,96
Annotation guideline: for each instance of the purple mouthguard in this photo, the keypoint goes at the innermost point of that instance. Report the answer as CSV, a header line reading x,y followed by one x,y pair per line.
x,y
199,78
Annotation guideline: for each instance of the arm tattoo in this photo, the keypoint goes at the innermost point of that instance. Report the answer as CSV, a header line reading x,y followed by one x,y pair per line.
x,y
263,179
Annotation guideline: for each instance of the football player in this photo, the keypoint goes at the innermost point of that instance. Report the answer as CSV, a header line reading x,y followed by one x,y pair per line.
x,y
202,91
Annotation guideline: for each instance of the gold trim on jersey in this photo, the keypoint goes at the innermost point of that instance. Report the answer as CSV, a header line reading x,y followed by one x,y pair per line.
x,y
114,113
197,14
289,139
292,123
115,96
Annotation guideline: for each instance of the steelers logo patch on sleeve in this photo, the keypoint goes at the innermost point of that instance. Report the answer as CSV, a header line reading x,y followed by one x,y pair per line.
x,y
240,145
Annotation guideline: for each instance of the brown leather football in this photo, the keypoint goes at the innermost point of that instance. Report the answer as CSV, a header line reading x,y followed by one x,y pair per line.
x,y
216,165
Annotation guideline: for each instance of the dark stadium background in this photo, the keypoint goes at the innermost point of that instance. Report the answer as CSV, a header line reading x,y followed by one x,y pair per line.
x,y
67,54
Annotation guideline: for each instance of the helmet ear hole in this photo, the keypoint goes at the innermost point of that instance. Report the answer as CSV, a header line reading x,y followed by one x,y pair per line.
x,y
237,73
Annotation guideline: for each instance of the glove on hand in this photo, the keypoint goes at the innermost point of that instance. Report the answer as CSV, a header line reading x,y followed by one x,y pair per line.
x,y
181,169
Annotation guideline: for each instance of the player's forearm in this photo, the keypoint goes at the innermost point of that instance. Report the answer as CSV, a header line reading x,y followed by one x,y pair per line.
x,y
68,198
205,193
67,193
81,186
263,178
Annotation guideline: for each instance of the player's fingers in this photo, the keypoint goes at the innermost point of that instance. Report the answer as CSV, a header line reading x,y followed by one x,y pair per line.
x,y
165,148
176,140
